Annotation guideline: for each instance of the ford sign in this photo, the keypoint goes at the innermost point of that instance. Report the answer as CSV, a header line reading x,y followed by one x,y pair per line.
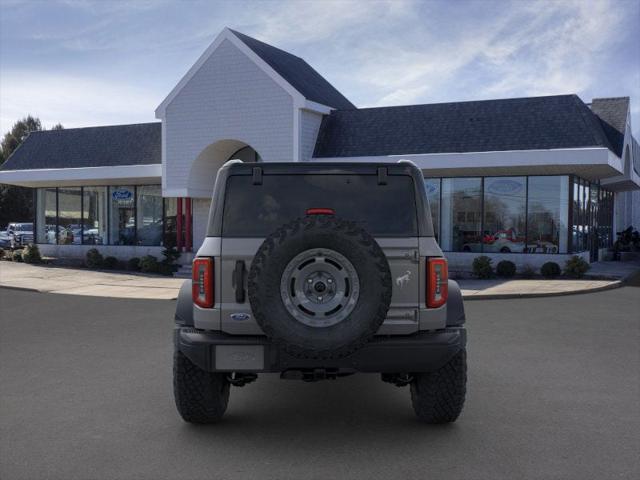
x,y
121,194
431,188
505,186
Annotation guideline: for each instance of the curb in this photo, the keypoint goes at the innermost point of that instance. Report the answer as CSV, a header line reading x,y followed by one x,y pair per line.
x,y
25,289
35,290
507,296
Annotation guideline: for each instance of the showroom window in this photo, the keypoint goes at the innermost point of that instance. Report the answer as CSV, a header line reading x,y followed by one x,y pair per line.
x,y
94,208
547,214
520,214
505,214
149,215
46,215
432,186
122,216
461,214
69,216
119,215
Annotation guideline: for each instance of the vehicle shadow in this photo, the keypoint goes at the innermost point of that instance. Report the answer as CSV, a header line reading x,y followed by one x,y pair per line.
x,y
328,416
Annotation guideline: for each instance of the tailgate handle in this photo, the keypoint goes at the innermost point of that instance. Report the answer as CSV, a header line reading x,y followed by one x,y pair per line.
x,y
238,281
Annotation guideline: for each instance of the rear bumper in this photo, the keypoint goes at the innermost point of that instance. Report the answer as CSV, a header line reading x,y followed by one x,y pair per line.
x,y
420,352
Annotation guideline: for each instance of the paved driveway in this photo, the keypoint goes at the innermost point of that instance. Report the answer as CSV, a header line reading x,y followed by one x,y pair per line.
x,y
85,392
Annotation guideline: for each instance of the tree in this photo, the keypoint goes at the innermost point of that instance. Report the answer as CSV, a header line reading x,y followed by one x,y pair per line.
x,y
16,203
14,137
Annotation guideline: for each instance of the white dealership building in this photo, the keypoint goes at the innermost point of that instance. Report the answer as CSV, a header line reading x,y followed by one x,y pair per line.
x,y
530,179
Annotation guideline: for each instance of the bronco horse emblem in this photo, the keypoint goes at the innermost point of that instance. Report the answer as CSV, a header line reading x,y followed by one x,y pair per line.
x,y
403,279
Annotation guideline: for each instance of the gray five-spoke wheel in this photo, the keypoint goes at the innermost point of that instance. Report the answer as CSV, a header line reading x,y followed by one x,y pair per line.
x,y
320,287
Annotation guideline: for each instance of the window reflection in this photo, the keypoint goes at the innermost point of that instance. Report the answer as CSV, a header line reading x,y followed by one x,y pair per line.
x,y
432,186
547,215
69,218
46,215
149,215
95,216
461,215
504,214
122,221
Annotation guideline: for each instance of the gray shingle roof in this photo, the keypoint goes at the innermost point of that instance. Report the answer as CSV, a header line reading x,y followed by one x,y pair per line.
x,y
612,113
137,144
562,121
298,73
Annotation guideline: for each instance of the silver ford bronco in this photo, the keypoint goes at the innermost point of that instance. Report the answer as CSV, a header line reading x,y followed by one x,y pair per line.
x,y
318,271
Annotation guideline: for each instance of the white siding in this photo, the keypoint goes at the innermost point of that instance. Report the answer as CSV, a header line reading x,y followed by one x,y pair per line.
x,y
309,126
200,213
230,97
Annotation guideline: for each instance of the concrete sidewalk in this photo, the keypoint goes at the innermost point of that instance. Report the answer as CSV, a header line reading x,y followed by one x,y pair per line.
x,y
495,288
601,276
77,281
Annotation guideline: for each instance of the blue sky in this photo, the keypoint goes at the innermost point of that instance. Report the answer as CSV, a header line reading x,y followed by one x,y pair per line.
x,y
86,63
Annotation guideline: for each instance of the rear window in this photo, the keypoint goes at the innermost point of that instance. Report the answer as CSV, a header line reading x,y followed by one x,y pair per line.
x,y
257,210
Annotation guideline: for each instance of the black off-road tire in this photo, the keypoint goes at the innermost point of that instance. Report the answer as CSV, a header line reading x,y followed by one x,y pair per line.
x,y
438,397
349,240
201,396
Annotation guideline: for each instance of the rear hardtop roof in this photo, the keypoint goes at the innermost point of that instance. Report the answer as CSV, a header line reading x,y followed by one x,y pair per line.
x,y
323,168
214,229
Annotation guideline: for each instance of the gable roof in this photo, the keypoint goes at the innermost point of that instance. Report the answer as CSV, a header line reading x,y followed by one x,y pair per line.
x,y
298,73
115,145
292,73
552,122
612,113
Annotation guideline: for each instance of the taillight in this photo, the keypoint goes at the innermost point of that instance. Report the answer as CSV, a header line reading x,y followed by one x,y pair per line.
x,y
202,285
437,282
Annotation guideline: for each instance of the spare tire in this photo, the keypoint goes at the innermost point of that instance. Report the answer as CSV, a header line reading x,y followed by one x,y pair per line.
x,y
320,287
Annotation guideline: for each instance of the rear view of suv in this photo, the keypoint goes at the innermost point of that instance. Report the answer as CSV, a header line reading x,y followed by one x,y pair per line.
x,y
317,271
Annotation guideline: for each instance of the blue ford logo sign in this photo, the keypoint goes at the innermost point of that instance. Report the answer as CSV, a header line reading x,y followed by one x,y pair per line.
x,y
505,187
121,194
239,317
431,188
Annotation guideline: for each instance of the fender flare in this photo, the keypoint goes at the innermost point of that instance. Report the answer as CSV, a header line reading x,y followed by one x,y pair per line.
x,y
184,307
455,306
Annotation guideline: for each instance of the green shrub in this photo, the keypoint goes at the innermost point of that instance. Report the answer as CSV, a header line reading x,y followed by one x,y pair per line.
x,y
171,255
94,258
482,267
110,263
31,254
165,269
1,254
527,271
133,264
506,268
17,256
149,264
576,267
550,270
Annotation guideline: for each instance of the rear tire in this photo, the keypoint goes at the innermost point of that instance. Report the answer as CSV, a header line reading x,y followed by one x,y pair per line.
x,y
438,397
201,396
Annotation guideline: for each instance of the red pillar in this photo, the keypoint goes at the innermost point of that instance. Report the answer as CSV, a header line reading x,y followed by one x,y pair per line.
x,y
179,225
187,229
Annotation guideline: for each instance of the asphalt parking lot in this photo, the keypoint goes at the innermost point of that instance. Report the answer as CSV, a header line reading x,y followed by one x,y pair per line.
x,y
85,393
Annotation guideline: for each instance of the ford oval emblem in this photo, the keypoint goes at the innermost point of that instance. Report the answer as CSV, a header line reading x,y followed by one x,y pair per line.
x,y
505,187
240,317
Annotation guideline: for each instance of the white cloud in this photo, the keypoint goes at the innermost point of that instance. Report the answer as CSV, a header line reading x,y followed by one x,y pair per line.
x,y
72,101
533,48
376,52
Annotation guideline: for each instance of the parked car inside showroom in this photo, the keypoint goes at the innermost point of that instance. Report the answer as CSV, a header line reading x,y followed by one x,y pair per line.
x,y
19,234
